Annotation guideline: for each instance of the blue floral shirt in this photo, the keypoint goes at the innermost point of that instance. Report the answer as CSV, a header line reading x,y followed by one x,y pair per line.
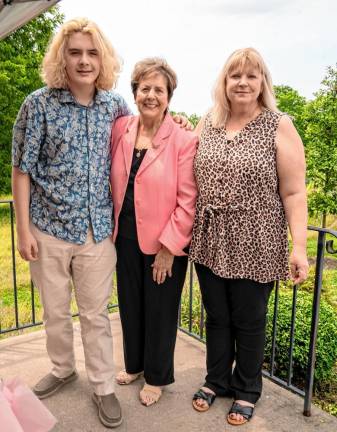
x,y
65,148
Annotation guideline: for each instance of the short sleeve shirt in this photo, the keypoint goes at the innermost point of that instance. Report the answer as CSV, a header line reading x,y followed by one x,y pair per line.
x,y
65,148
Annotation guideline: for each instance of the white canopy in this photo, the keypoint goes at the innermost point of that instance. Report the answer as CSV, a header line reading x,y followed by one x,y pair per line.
x,y
15,13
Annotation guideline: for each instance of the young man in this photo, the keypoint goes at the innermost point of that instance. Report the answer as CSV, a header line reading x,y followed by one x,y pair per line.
x,y
61,167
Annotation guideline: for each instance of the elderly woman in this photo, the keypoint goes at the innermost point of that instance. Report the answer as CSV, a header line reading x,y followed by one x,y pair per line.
x,y
250,172
154,195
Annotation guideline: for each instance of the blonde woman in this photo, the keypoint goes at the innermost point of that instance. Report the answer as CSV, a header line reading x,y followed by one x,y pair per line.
x,y
250,172
61,168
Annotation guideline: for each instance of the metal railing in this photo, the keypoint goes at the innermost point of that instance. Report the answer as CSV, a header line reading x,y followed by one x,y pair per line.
x,y
18,325
306,392
193,323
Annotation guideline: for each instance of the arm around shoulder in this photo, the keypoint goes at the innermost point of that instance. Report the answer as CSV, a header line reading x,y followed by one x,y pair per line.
x,y
123,108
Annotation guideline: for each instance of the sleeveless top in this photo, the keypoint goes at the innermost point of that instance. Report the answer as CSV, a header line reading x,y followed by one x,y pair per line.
x,y
240,229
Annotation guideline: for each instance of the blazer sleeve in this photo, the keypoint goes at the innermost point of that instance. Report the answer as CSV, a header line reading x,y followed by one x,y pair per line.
x,y
177,233
118,129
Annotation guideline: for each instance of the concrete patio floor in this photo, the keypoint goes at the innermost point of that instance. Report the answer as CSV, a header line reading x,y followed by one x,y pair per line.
x,y
278,410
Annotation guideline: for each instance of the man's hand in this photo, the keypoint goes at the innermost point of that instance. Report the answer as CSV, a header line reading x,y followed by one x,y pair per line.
x,y
183,121
27,246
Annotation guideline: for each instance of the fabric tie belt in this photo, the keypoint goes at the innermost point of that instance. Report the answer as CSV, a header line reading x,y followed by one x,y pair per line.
x,y
212,218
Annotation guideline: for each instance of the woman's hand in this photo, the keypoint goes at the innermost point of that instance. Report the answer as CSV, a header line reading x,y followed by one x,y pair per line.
x,y
298,266
162,265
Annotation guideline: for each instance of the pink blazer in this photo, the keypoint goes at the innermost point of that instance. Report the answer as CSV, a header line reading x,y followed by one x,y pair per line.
x,y
164,191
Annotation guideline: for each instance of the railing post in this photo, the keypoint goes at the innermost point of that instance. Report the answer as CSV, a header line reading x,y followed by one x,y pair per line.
x,y
11,206
191,298
309,383
273,340
292,336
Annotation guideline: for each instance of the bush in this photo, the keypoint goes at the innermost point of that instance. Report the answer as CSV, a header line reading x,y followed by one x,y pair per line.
x,y
326,350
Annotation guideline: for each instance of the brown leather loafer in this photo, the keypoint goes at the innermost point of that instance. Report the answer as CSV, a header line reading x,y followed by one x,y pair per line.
x,y
109,410
50,384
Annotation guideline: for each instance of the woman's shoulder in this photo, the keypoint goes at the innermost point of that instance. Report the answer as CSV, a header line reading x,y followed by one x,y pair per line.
x,y
273,119
122,123
181,137
286,129
282,120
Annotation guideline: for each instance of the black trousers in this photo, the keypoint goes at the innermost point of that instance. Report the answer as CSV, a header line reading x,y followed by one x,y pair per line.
x,y
148,311
235,330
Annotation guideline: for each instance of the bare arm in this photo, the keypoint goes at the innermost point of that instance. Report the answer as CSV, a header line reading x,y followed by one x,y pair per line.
x,y
291,173
27,245
199,126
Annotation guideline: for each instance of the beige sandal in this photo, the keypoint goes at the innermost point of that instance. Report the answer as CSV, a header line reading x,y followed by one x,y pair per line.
x,y
124,378
149,395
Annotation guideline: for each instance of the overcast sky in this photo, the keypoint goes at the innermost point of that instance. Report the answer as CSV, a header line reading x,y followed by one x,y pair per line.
x,y
297,38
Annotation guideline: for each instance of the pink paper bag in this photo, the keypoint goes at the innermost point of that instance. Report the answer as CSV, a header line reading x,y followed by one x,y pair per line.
x,y
8,421
21,410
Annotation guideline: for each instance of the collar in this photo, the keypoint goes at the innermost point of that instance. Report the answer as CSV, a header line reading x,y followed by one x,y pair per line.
x,y
65,96
163,132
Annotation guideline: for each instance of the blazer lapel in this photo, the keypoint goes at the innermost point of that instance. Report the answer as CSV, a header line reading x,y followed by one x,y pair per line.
x,y
158,144
129,140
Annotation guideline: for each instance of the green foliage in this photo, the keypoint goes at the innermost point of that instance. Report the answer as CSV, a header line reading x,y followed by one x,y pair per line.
x,y
292,103
321,146
326,352
190,316
21,54
193,118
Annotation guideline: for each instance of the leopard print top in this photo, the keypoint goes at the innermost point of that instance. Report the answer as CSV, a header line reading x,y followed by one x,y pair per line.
x,y
240,229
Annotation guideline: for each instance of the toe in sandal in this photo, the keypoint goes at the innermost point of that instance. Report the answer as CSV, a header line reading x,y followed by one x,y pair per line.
x,y
209,398
152,392
124,378
245,411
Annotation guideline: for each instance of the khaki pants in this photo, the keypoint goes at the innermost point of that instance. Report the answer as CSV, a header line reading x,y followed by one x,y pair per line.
x,y
90,268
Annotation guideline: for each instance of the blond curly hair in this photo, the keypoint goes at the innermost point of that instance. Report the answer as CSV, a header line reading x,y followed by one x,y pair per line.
x,y
53,70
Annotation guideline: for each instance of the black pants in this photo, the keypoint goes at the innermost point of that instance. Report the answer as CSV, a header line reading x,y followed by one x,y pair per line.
x,y
235,330
149,312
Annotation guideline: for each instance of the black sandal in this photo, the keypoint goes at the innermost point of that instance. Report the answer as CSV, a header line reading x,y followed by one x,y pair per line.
x,y
245,411
207,397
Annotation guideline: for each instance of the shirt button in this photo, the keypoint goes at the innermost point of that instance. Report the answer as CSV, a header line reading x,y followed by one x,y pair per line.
x,y
137,180
140,221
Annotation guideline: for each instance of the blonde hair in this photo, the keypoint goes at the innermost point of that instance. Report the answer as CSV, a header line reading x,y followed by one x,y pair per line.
x,y
53,71
150,65
238,60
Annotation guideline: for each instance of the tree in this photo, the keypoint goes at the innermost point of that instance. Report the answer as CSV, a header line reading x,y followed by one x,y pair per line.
x,y
21,54
292,103
321,147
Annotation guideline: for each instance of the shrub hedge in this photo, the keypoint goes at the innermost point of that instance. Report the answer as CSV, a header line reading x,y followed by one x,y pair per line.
x,y
326,350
